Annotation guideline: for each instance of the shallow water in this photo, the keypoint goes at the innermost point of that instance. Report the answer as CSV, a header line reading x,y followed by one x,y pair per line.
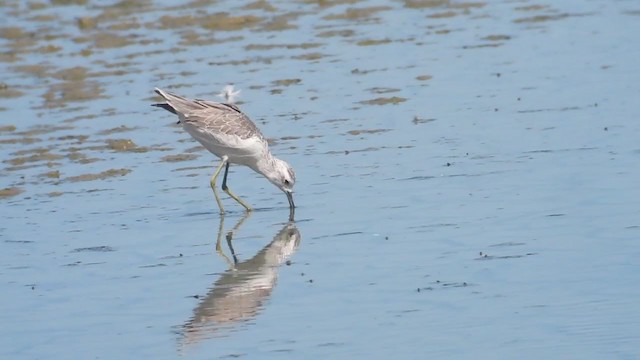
x,y
467,181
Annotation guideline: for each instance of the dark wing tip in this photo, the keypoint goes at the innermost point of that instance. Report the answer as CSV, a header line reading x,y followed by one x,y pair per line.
x,y
167,107
233,107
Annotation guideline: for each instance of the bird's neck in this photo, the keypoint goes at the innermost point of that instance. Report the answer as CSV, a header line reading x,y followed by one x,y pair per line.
x,y
266,164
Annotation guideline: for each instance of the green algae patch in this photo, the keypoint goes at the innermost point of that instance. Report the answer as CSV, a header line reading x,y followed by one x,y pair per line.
x,y
336,33
540,18
81,158
7,92
219,21
467,5
7,128
123,26
179,157
43,129
226,22
51,174
121,145
257,59
418,120
9,57
309,56
60,94
357,13
384,101
260,5
127,145
76,139
21,140
37,71
12,33
110,41
10,192
87,22
282,46
76,73
48,49
287,82
357,71
443,15
115,130
36,5
69,2
111,173
174,22
37,157
372,42
531,8
330,3
496,37
369,131
382,90
423,4
192,38
279,23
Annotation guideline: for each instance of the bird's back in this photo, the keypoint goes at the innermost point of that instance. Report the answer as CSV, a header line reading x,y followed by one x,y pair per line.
x,y
211,117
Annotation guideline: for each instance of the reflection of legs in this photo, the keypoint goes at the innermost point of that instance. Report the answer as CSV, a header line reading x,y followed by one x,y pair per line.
x,y
232,231
219,245
233,252
229,238
214,177
226,189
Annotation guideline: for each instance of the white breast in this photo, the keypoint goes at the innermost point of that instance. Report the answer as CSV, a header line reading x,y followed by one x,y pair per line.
x,y
239,151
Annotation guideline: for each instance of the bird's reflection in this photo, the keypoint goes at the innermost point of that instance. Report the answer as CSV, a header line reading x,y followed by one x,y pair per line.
x,y
239,294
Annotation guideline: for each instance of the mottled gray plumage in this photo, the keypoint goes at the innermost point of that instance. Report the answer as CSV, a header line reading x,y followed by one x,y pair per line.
x,y
212,116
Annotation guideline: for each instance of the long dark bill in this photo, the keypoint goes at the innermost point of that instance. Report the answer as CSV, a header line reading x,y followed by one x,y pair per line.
x,y
292,206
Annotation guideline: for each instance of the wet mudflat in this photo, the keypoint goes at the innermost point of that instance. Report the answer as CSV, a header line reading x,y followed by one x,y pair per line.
x,y
467,181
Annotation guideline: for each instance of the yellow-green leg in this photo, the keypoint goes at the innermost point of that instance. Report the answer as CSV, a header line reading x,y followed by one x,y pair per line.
x,y
213,182
226,189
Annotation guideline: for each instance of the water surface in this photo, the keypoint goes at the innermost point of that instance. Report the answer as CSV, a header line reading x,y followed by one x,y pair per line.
x,y
467,180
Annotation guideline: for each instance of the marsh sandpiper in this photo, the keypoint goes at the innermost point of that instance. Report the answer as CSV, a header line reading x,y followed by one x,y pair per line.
x,y
229,134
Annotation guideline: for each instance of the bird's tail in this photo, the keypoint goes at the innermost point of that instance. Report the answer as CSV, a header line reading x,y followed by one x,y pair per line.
x,y
175,103
167,107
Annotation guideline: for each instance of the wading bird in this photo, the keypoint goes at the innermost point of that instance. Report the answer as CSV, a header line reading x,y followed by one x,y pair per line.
x,y
229,134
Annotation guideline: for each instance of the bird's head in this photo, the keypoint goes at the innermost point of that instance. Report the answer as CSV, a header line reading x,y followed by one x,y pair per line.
x,y
284,178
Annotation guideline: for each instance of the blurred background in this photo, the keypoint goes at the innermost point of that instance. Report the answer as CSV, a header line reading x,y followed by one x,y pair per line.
x,y
466,180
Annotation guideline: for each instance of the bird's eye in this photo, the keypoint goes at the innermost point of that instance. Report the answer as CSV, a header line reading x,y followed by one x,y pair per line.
x,y
286,182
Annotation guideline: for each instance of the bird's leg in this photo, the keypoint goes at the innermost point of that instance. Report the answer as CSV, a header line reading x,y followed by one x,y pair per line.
x,y
226,189
215,177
